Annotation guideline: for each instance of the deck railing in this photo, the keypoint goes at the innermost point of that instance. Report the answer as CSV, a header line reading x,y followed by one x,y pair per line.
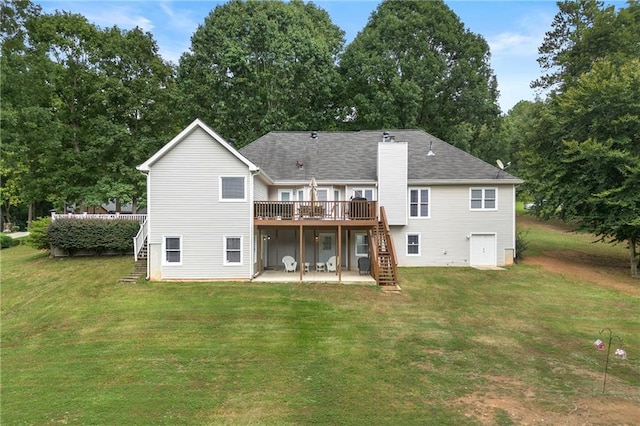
x,y
318,210
141,218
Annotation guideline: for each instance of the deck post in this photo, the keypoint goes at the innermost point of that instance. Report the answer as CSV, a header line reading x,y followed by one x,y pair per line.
x,y
339,254
259,254
301,259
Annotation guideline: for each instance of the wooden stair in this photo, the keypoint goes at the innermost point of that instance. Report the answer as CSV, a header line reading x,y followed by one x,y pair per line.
x,y
386,268
139,269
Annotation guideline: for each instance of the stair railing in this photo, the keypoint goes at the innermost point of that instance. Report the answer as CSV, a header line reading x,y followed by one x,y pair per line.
x,y
139,239
390,246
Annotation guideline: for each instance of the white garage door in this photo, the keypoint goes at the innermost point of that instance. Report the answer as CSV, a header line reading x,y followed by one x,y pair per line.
x,y
483,250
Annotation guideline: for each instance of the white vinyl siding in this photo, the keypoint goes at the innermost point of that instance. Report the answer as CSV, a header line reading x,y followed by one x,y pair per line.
x,y
184,193
483,198
447,232
419,203
393,158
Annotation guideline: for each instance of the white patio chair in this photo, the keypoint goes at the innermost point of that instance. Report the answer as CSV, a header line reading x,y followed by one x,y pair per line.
x,y
331,264
289,263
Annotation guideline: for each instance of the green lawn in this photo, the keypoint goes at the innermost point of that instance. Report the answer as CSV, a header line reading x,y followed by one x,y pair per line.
x,y
78,348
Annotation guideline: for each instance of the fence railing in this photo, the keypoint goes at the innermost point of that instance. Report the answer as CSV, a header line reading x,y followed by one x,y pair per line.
x,y
141,218
319,210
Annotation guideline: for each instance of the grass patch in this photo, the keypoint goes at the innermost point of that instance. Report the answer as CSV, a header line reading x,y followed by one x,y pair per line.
x,y
78,348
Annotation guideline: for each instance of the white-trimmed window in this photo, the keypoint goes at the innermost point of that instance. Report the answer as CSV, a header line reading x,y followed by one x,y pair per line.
x,y
483,199
419,202
362,245
363,193
172,248
285,195
413,244
232,188
323,194
233,250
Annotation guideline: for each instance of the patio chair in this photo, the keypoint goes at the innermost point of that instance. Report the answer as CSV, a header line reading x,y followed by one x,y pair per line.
x,y
364,265
331,264
289,263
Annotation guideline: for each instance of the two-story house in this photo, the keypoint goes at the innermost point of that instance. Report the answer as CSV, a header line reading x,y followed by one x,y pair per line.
x,y
324,200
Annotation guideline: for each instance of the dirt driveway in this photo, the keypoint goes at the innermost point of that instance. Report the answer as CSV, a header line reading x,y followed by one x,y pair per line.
x,y
602,270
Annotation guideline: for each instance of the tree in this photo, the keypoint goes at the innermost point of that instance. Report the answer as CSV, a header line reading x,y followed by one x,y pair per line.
x,y
82,106
583,159
415,65
137,116
517,129
256,66
589,168
30,135
582,33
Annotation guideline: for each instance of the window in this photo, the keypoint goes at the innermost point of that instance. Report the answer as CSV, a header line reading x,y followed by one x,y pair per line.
x,y
362,245
232,188
323,194
413,244
233,250
419,202
483,199
173,250
363,193
285,195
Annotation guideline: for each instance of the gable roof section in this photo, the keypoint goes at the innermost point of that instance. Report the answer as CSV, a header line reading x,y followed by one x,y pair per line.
x,y
352,157
197,123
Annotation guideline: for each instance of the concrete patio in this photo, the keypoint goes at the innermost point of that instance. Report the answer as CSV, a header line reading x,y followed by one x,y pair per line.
x,y
348,277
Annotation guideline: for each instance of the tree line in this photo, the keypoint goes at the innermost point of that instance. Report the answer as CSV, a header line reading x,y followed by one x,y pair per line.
x,y
579,149
83,105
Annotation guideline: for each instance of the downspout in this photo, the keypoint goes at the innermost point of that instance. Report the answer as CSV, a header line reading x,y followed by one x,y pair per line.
x,y
252,243
514,233
146,173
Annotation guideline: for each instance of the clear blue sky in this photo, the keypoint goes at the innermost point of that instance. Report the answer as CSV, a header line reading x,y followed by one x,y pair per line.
x,y
514,29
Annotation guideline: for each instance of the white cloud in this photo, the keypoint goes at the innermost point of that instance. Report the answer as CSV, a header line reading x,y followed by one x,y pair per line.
x,y
181,18
514,44
123,17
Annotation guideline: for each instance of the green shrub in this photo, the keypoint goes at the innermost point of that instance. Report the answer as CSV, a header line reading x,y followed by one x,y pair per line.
x,y
38,238
98,235
6,241
521,245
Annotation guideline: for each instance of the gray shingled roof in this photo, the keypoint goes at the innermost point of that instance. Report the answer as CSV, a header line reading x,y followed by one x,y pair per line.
x,y
352,156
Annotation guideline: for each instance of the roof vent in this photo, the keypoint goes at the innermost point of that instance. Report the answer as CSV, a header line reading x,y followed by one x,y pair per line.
x,y
300,165
385,136
314,135
431,153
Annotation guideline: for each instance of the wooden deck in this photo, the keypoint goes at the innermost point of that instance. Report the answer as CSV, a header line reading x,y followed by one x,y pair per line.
x,y
316,213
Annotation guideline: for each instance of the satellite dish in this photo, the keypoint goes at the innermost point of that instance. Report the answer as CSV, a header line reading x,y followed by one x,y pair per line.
x,y
499,162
